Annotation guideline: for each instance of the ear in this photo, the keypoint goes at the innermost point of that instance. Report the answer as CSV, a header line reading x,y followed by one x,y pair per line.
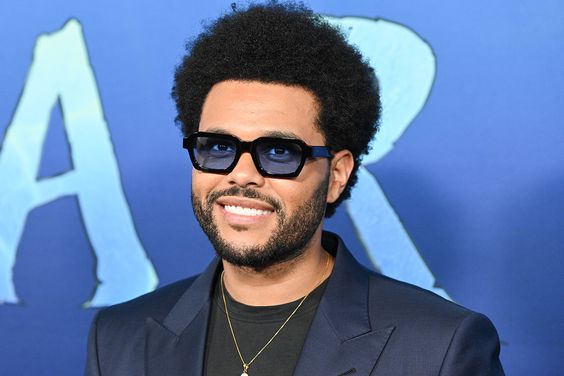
x,y
341,168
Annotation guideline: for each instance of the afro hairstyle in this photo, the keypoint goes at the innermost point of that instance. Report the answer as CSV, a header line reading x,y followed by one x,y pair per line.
x,y
285,43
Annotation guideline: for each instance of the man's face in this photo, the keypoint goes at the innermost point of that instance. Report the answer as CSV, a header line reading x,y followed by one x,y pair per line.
x,y
253,220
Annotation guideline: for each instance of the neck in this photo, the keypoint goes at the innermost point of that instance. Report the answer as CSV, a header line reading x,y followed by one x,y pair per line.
x,y
281,283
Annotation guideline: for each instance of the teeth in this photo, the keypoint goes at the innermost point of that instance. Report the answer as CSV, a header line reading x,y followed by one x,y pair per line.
x,y
239,210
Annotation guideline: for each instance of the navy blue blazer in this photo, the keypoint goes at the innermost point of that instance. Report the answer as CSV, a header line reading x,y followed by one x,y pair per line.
x,y
366,324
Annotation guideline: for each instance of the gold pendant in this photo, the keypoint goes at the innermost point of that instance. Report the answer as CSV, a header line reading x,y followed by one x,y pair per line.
x,y
244,374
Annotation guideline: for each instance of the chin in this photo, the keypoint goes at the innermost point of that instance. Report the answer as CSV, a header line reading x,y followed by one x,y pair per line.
x,y
242,240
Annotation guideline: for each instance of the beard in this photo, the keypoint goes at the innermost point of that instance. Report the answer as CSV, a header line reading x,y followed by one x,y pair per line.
x,y
286,243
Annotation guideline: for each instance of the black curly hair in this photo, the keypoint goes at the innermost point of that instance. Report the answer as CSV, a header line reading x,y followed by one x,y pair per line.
x,y
285,43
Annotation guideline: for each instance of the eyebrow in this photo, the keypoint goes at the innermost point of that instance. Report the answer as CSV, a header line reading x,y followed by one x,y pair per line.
x,y
270,133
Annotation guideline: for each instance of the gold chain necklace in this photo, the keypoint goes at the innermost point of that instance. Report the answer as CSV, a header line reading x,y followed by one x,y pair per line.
x,y
245,364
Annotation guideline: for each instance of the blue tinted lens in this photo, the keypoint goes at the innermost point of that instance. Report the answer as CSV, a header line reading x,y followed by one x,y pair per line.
x,y
214,153
279,157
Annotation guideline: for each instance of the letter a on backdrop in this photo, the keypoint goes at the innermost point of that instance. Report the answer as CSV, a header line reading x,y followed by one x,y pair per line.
x,y
61,72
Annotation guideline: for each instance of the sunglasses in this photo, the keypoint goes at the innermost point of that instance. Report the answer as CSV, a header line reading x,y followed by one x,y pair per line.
x,y
273,157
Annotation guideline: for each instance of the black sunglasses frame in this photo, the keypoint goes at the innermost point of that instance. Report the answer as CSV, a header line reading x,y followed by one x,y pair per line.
x,y
308,151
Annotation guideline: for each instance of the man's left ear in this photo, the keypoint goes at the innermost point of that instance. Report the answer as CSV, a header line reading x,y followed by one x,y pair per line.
x,y
341,168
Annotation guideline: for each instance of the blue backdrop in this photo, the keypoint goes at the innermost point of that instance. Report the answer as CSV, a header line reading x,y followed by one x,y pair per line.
x,y
463,192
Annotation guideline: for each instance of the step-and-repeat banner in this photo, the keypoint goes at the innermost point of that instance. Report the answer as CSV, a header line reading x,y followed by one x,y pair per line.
x,y
462,192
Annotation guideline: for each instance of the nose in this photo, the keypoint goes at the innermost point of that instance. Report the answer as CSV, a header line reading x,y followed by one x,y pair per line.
x,y
245,172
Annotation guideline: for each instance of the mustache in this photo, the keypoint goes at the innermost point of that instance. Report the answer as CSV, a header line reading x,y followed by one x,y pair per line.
x,y
243,192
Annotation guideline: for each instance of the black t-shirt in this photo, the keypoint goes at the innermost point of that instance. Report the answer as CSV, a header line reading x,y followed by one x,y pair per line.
x,y
253,327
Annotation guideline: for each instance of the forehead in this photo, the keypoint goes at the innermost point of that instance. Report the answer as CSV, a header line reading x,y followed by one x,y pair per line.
x,y
250,109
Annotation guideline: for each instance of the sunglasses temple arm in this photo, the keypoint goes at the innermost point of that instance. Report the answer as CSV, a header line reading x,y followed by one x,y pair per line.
x,y
320,152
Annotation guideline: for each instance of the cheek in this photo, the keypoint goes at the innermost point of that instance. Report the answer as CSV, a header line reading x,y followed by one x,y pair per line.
x,y
203,183
295,192
292,194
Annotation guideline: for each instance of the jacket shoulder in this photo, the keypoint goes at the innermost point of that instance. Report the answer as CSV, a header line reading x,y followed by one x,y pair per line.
x,y
404,301
117,334
448,338
155,304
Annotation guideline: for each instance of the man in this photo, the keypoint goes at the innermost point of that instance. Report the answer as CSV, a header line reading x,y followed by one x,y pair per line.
x,y
277,111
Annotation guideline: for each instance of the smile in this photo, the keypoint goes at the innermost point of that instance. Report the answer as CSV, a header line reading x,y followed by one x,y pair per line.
x,y
249,212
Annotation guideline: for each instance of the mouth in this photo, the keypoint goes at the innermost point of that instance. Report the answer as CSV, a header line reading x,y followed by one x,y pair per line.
x,y
239,210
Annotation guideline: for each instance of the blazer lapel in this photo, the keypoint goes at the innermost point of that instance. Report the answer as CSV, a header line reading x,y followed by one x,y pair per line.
x,y
341,340
175,347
